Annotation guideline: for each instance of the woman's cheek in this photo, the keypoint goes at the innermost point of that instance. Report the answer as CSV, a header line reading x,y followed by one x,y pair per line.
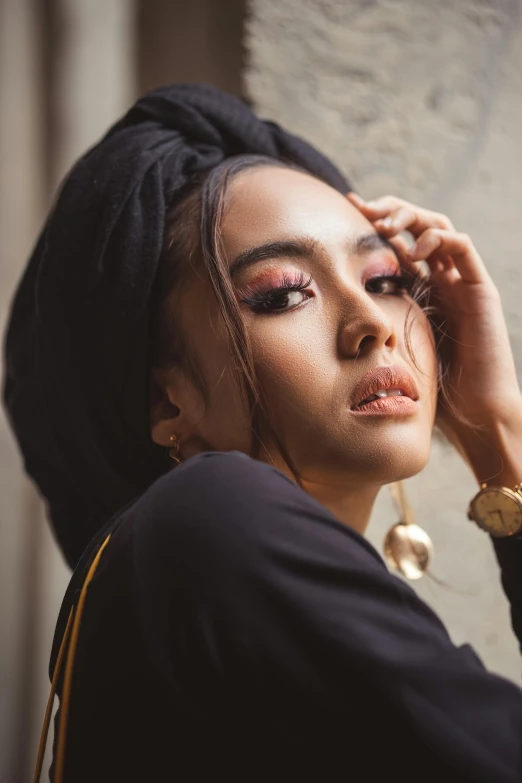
x,y
286,339
291,360
424,350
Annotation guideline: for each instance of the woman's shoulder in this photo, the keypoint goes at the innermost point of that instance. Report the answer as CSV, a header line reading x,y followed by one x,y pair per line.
x,y
209,486
230,510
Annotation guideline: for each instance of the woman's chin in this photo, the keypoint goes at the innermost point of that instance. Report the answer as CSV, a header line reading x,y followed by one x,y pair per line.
x,y
377,461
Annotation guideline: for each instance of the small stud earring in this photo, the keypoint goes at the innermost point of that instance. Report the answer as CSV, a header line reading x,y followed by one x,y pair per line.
x,y
174,451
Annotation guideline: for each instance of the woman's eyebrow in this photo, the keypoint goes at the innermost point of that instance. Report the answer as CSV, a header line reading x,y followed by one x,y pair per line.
x,y
366,243
303,247
290,248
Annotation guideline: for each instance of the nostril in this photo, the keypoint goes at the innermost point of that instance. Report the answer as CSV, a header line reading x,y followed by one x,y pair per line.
x,y
366,341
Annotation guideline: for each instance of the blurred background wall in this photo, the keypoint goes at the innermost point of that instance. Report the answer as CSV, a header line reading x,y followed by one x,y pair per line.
x,y
68,69
413,98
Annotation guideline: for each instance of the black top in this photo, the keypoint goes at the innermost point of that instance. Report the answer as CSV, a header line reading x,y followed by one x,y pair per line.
x,y
236,629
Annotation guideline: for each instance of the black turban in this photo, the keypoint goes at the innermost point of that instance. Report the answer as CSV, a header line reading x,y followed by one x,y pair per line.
x,y
76,350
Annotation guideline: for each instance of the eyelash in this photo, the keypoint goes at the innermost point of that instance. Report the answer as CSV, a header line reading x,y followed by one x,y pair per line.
x,y
259,300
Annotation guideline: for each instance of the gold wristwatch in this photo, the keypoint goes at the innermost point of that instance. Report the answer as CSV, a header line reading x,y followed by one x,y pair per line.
x,y
497,510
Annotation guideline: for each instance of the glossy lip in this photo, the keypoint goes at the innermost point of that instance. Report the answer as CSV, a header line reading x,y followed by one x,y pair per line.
x,y
391,376
388,406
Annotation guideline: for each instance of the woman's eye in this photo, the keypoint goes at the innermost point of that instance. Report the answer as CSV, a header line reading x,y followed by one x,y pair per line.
x,y
389,284
284,298
287,300
292,294
279,302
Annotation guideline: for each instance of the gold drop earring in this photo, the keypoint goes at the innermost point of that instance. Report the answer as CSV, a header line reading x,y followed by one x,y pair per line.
x,y
174,451
407,547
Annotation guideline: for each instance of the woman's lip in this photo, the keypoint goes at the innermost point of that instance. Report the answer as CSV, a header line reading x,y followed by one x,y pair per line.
x,y
390,376
388,406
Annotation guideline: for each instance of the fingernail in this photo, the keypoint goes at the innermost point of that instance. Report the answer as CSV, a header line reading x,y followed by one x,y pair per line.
x,y
386,222
412,249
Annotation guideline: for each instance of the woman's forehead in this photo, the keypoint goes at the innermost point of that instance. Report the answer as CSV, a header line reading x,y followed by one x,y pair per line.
x,y
266,203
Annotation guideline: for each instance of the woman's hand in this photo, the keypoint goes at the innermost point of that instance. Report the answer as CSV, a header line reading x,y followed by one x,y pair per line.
x,y
483,384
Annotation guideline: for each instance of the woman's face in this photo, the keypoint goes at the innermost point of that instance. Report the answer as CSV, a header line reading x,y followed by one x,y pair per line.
x,y
311,347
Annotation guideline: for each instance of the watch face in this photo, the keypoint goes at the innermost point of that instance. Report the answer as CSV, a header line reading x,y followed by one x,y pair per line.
x,y
499,512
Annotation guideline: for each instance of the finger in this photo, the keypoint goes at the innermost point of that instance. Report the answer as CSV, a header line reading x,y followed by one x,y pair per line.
x,y
374,209
401,219
402,248
400,215
414,220
452,248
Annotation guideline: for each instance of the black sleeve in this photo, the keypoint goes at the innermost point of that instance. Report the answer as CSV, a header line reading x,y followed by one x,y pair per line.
x,y
509,557
257,596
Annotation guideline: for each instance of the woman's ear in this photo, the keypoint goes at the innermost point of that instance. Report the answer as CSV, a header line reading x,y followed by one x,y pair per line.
x,y
173,405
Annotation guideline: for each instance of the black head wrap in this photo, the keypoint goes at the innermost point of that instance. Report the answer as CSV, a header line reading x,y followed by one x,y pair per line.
x,y
76,350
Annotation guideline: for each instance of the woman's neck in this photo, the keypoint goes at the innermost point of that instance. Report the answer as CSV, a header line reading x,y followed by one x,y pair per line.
x,y
351,502
352,506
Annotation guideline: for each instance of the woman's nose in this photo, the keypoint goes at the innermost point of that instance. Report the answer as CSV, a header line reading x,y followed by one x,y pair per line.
x,y
366,328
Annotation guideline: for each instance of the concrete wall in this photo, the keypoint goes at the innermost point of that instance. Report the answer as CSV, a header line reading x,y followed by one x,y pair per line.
x,y
419,99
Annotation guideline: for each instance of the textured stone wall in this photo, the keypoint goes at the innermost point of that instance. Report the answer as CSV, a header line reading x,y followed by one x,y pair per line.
x,y
398,92
423,100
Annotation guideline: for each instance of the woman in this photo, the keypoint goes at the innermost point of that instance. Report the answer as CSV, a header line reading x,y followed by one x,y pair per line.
x,y
205,287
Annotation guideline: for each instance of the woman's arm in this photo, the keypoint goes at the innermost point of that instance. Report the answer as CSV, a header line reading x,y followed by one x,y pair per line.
x,y
496,451
484,420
